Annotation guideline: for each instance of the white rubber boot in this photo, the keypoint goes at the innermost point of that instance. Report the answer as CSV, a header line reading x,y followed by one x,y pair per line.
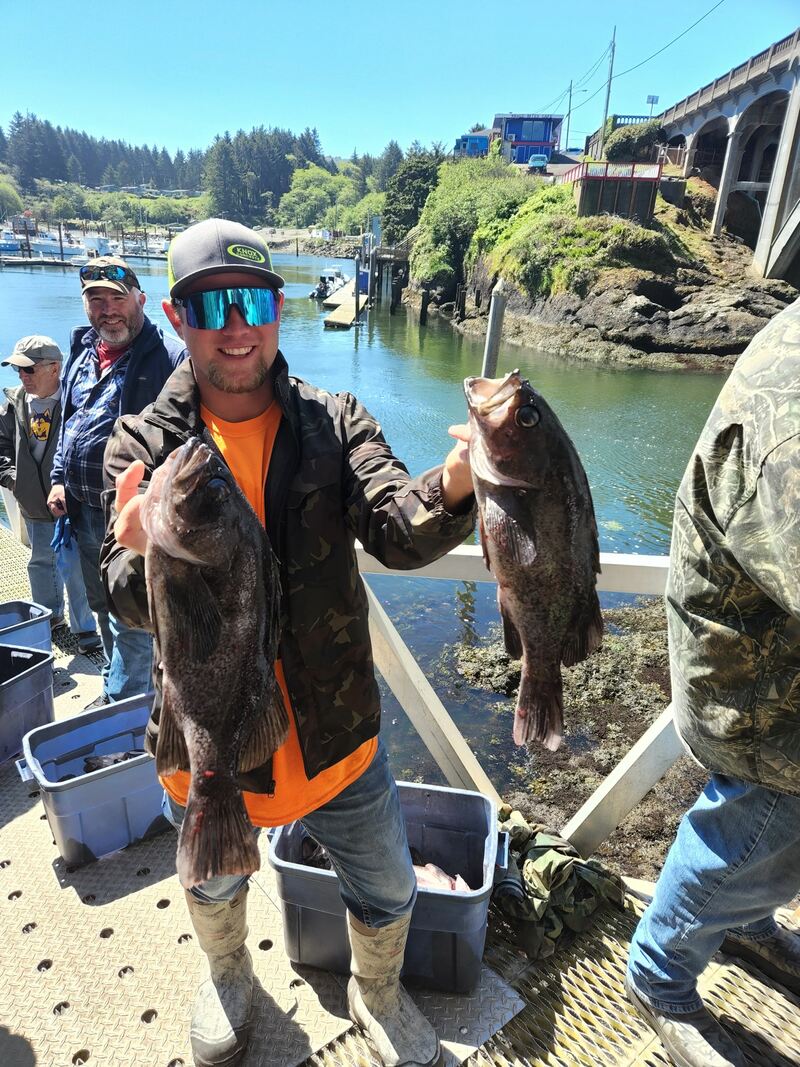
x,y
221,1016
377,1002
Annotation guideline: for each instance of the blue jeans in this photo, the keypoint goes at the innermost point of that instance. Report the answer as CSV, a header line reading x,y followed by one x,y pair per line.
x,y
363,832
49,572
735,859
127,670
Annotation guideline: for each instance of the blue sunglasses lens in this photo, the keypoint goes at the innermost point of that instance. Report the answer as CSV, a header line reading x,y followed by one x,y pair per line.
x,y
209,310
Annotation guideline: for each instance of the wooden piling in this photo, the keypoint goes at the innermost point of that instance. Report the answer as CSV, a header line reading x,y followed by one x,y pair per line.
x,y
423,307
61,241
494,331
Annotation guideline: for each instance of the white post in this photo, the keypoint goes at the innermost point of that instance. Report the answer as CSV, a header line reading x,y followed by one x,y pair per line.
x,y
730,168
494,330
783,176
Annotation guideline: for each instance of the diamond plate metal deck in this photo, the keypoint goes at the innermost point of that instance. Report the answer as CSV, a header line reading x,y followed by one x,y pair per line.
x,y
98,964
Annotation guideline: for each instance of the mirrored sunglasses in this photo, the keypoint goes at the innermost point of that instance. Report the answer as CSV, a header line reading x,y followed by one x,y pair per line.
x,y
209,310
110,271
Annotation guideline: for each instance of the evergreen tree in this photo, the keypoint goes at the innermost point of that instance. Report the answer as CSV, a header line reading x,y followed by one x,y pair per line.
x,y
220,179
3,146
406,194
387,164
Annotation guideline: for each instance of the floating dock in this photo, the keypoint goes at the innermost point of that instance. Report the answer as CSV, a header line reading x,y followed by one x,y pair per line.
x,y
100,964
343,301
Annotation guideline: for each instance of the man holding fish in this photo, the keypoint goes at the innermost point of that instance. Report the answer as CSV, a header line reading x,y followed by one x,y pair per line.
x,y
240,557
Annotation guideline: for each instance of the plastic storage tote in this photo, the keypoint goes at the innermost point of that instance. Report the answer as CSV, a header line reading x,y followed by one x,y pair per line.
x,y
453,828
26,694
25,624
96,812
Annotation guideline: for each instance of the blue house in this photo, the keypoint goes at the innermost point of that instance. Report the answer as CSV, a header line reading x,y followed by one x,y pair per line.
x,y
524,136
473,145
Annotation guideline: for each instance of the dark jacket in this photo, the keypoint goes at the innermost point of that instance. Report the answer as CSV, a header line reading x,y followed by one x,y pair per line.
x,y
28,480
332,478
153,357
733,596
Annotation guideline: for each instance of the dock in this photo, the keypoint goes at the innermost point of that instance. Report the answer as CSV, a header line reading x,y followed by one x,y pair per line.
x,y
100,964
343,302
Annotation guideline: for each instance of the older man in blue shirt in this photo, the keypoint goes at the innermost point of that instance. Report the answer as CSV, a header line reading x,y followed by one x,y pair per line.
x,y
116,366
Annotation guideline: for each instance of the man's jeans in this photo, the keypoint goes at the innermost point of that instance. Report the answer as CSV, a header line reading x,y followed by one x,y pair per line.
x,y
127,670
736,858
50,571
363,832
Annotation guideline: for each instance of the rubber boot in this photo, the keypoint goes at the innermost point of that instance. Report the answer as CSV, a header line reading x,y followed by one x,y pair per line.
x,y
377,1002
221,1016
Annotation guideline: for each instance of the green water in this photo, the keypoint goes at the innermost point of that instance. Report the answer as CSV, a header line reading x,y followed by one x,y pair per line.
x,y
634,431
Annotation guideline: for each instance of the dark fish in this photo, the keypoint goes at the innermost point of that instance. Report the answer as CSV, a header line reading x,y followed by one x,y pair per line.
x,y
213,591
110,759
539,538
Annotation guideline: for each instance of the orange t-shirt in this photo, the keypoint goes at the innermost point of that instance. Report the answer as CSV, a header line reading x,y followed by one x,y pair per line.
x,y
247,448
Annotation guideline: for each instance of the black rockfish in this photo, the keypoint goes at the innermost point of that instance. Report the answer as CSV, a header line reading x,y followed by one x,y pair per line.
x,y
213,591
539,538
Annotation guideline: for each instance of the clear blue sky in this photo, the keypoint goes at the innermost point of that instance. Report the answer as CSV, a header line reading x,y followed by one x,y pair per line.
x,y
175,74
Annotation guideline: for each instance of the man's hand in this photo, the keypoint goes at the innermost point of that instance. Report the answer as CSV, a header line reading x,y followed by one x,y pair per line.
x,y
457,475
57,501
128,527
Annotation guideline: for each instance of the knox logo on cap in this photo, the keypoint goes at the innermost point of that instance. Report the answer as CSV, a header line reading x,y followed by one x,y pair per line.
x,y
252,255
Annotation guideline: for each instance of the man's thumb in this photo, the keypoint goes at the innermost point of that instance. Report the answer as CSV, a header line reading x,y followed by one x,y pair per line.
x,y
128,483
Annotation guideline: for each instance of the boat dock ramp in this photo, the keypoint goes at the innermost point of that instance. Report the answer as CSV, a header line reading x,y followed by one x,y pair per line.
x,y
343,302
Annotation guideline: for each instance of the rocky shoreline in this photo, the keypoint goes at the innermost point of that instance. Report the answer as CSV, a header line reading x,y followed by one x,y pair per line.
x,y
609,701
698,319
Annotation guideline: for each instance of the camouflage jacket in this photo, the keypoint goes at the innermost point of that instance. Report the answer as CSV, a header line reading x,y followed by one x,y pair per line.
x,y
332,478
733,596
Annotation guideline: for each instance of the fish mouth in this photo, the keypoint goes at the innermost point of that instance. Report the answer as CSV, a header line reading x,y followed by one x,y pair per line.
x,y
485,395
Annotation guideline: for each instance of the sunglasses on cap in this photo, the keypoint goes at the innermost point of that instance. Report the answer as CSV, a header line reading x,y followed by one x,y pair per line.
x,y
209,310
110,272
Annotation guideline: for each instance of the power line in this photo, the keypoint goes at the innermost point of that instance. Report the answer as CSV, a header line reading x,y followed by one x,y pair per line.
x,y
670,43
589,74
683,33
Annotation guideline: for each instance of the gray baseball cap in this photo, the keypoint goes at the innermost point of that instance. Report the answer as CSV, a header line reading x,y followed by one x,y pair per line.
x,y
36,348
218,246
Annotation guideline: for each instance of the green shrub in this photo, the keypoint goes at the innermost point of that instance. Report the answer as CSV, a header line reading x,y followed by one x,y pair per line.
x,y
634,144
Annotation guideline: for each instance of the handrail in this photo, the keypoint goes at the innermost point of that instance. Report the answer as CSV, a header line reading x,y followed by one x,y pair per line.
x,y
605,171
643,766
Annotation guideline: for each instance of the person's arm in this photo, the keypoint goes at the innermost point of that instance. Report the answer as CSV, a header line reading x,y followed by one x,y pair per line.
x,y
764,532
8,447
404,522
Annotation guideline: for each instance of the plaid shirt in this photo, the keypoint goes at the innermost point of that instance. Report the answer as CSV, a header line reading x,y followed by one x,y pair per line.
x,y
95,404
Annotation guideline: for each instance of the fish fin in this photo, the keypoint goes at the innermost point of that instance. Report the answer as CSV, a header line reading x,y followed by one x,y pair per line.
x,y
171,751
511,637
511,538
586,637
539,715
269,730
196,616
216,836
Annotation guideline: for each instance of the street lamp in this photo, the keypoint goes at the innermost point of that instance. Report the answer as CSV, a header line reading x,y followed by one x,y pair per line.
x,y
569,111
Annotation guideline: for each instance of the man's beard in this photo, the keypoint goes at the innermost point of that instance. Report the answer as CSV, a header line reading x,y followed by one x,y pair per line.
x,y
123,334
220,380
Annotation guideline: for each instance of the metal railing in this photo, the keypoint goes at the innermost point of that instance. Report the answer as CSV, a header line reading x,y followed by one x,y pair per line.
x,y
603,171
776,55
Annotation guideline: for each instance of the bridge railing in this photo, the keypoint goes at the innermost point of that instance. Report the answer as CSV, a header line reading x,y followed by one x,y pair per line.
x,y
603,171
644,765
758,64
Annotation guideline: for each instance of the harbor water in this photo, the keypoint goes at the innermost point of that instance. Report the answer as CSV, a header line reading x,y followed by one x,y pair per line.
x,y
633,429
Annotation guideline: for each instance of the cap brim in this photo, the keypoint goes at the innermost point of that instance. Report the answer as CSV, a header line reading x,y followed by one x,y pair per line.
x,y
105,283
20,361
180,287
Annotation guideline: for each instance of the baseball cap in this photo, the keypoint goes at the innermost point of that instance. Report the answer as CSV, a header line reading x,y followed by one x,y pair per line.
x,y
108,272
36,348
218,246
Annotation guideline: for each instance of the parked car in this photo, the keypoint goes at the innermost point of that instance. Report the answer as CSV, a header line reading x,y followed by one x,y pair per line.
x,y
538,164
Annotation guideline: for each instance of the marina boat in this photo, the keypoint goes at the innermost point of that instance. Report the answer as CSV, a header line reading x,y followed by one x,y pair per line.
x,y
47,244
9,243
330,280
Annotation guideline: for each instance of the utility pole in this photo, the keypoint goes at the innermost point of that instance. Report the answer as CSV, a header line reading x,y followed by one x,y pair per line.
x,y
569,112
608,94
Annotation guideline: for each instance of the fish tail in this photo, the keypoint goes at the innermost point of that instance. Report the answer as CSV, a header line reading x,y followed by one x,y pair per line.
x,y
216,835
539,715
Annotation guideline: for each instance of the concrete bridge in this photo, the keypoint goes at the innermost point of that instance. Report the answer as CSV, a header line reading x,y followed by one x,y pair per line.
x,y
746,126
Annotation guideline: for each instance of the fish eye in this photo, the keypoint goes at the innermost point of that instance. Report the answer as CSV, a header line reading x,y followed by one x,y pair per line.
x,y
527,416
218,487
